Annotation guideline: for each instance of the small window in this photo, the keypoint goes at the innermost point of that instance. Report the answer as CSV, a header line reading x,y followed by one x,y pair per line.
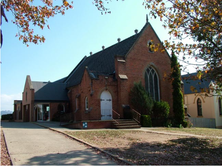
x,y
86,104
77,103
150,45
199,107
220,107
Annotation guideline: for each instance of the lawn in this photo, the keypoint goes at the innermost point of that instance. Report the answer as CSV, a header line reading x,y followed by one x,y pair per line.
x,y
140,147
196,131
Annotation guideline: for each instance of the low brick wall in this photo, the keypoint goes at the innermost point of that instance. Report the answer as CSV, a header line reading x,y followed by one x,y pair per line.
x,y
90,125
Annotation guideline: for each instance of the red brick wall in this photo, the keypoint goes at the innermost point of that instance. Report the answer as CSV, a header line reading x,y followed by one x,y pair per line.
x,y
28,100
91,125
17,110
91,89
54,108
137,61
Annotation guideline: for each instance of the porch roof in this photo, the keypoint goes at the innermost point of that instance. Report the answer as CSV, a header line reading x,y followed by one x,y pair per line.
x,y
50,92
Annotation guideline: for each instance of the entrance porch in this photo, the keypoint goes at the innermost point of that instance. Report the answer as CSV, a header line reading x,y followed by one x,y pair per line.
x,y
42,112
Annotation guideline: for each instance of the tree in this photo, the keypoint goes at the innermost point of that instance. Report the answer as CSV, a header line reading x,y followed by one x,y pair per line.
x,y
27,15
178,108
201,20
2,14
140,99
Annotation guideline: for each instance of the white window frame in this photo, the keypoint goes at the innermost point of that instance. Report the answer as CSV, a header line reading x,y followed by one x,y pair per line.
x,y
148,74
86,104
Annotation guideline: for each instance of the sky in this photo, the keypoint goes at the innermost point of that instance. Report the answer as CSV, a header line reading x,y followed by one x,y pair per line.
x,y
71,36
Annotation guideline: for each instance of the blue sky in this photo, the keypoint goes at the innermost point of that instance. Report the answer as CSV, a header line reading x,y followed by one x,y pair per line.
x,y
72,36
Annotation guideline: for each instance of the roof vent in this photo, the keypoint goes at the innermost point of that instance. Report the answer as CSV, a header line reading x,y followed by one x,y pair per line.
x,y
103,47
136,31
91,53
118,39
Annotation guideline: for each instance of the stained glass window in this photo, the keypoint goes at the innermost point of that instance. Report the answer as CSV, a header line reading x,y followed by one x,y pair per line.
x,y
152,83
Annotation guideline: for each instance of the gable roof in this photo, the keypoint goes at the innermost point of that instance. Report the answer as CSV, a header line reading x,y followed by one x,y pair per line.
x,y
191,80
28,80
102,63
49,92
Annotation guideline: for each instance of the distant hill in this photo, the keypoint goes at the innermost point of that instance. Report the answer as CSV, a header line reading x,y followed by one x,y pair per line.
x,y
6,112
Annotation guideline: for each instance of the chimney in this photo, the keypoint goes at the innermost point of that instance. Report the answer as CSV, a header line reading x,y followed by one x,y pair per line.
x,y
91,53
118,40
136,31
103,47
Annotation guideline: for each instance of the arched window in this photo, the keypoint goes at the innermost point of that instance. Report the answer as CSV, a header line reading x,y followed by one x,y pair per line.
x,y
220,107
86,104
152,83
199,107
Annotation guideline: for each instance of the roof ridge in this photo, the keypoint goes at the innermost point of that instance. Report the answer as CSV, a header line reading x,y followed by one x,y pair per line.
x,y
103,60
77,66
113,45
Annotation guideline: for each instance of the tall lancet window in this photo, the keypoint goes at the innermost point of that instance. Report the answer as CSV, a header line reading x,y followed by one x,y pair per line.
x,y
152,83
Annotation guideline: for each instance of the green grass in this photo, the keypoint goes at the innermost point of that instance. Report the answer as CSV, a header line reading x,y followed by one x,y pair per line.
x,y
196,131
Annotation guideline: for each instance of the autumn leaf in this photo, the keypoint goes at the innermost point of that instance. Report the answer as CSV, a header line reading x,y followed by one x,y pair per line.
x,y
27,14
199,20
192,88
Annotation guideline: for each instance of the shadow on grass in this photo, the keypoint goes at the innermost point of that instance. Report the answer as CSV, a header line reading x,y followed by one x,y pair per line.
x,y
177,151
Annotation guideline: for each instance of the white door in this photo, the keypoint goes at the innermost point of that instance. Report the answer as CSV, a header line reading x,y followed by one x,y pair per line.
x,y
106,105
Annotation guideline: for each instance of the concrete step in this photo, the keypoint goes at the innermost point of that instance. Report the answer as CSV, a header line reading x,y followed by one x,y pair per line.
x,y
125,124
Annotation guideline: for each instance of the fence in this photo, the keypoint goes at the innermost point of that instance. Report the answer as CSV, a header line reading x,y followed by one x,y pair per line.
x,y
203,122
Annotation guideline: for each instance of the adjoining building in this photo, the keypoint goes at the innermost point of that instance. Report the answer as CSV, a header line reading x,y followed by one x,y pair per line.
x,y
203,105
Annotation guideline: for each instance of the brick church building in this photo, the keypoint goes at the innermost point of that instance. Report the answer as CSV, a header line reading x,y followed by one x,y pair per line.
x,y
96,90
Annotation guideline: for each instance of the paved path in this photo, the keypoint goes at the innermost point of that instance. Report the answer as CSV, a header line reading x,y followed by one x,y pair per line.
x,y
56,126
30,144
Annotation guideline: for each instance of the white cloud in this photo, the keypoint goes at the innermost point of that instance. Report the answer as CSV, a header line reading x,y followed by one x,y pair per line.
x,y
7,101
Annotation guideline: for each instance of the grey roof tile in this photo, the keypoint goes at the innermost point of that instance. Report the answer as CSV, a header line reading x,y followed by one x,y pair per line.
x,y
191,80
50,92
101,63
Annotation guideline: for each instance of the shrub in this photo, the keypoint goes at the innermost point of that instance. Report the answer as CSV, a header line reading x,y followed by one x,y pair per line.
x,y
146,121
7,117
185,123
161,109
160,113
140,99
